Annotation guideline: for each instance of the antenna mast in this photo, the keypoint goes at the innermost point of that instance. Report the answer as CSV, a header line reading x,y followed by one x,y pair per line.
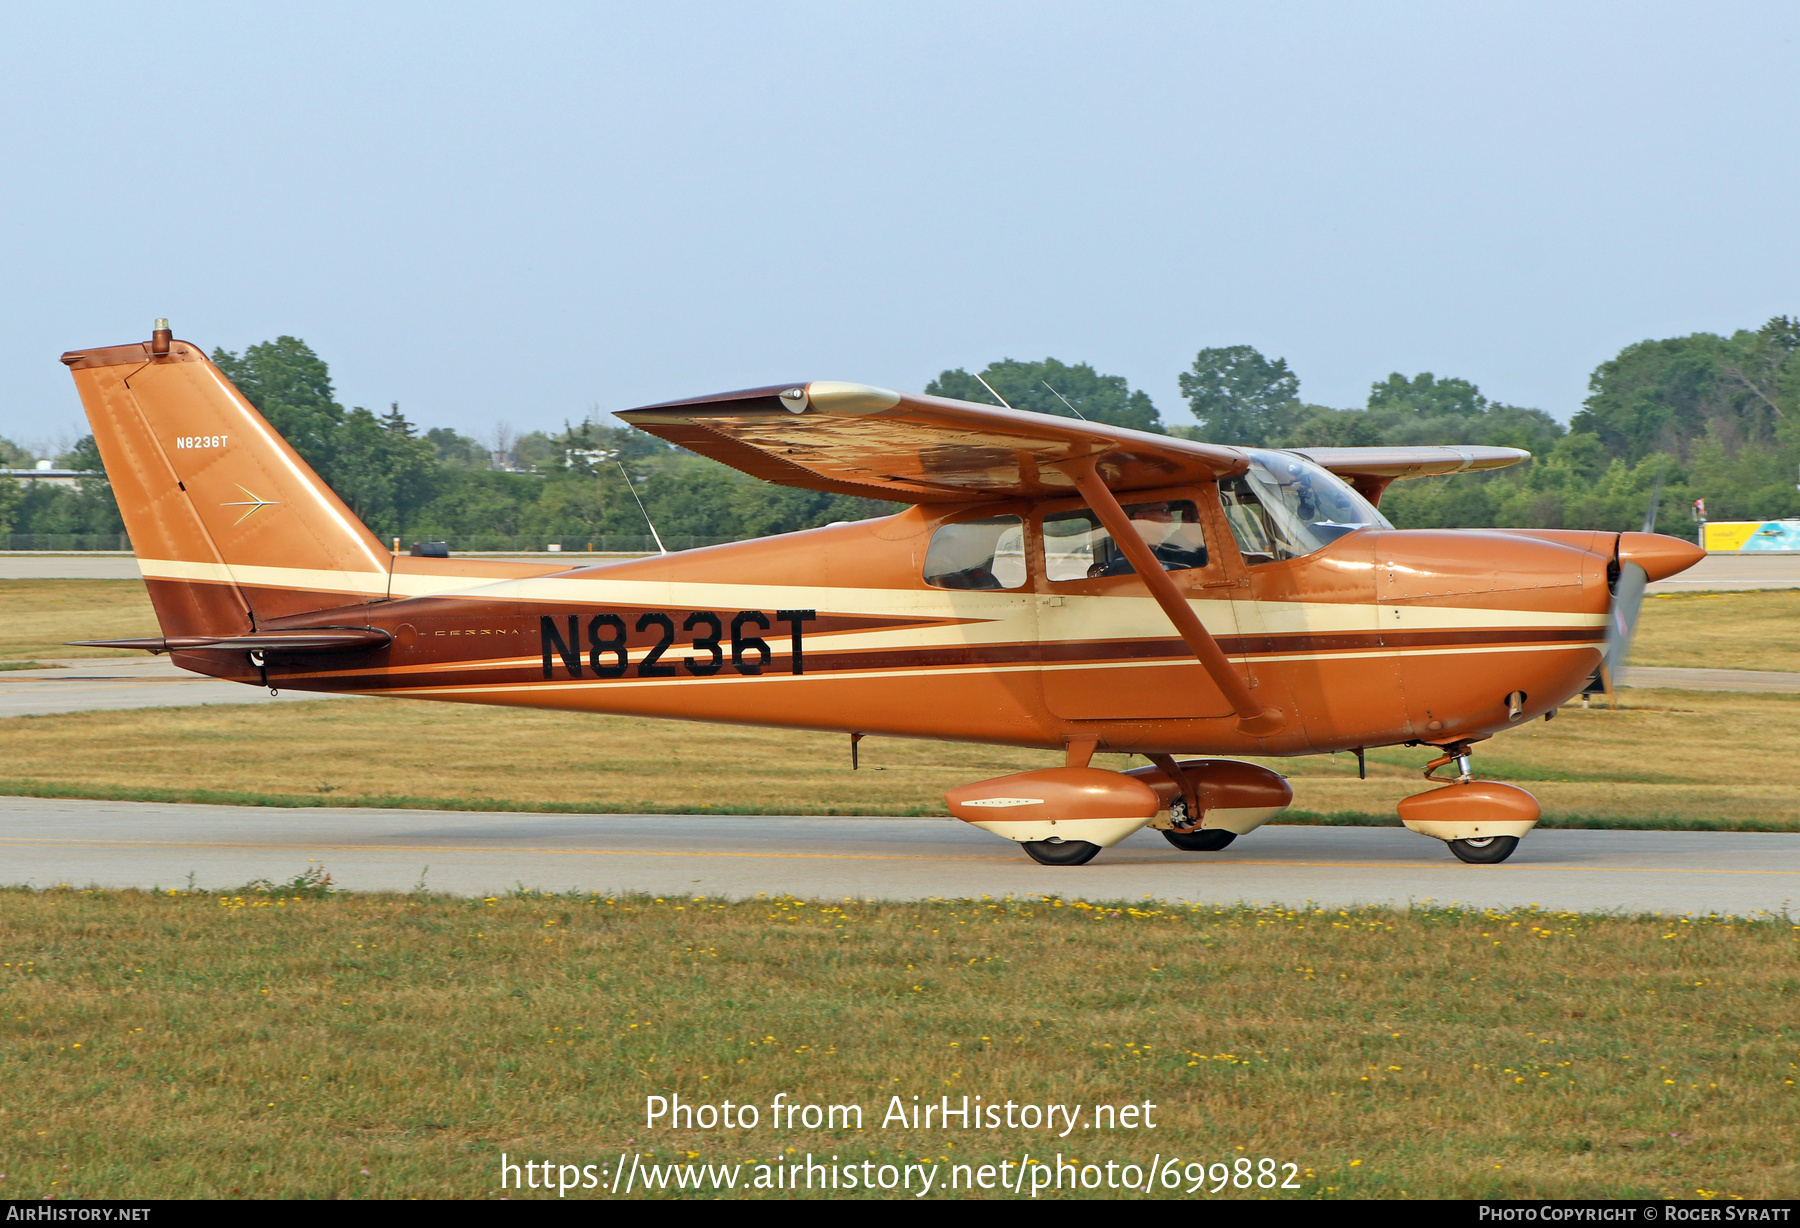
x,y
1065,400
991,391
655,536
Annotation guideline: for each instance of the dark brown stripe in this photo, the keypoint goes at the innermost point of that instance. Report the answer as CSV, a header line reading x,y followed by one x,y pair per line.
x,y
1094,652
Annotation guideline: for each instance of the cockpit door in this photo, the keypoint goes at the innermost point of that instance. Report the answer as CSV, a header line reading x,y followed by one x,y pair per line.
x,y
1108,650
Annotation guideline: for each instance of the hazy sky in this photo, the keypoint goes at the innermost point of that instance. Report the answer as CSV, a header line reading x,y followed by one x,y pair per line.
x,y
518,211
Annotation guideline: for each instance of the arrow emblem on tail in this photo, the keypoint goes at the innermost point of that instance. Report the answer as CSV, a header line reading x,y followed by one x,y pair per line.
x,y
253,503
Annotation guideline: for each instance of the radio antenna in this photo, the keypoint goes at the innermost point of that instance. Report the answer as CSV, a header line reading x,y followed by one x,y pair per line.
x,y
655,536
1065,400
991,391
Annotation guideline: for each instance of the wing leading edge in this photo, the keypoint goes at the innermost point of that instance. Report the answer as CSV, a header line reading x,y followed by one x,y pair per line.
x,y
856,440
1371,469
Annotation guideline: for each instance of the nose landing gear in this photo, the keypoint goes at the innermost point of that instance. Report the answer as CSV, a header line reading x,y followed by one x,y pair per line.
x,y
1481,820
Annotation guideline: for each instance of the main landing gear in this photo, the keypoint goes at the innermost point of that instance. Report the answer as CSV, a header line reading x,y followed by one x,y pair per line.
x,y
1188,836
1060,852
1485,850
1065,816
1481,820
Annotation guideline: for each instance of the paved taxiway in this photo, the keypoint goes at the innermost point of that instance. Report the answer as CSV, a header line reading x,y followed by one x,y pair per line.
x,y
103,683
129,844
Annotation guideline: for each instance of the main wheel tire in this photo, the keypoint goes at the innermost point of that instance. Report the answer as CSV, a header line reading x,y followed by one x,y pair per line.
x,y
1210,840
1487,851
1061,852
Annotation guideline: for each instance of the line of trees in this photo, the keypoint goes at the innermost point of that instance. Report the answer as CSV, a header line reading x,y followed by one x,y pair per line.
x,y
1706,416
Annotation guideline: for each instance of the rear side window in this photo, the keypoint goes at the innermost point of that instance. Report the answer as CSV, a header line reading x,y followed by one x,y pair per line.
x,y
1076,547
978,554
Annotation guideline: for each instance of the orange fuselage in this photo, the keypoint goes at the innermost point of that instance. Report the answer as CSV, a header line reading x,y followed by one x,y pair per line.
x,y
1385,636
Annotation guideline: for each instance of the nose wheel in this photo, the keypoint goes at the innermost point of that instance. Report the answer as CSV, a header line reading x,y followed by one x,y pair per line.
x,y
1481,820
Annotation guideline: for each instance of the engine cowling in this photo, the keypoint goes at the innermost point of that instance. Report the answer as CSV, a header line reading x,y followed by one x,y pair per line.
x,y
1064,803
1234,796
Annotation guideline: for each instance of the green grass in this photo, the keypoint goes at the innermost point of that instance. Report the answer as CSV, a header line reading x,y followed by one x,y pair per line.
x,y
39,617
1673,760
1749,630
298,1044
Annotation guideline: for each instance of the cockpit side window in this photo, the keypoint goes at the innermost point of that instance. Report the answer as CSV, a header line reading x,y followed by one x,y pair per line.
x,y
1077,547
978,554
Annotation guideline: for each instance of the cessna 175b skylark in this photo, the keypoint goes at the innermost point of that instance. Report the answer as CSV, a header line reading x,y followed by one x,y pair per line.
x,y
1055,584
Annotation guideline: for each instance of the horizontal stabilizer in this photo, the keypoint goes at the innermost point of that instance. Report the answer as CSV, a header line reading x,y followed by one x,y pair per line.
x,y
325,639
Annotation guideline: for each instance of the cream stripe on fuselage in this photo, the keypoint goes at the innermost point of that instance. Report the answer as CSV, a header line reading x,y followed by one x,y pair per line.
x,y
367,583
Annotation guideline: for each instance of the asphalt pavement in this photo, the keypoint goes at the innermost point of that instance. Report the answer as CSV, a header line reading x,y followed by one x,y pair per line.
x,y
134,844
69,567
1727,572
88,684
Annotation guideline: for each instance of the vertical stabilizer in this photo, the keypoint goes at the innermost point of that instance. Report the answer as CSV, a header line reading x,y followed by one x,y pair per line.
x,y
230,526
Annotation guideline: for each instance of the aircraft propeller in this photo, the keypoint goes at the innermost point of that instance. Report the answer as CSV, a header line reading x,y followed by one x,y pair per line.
x,y
1628,600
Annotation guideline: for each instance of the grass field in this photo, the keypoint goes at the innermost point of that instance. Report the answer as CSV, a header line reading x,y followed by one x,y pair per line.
x,y
1749,630
393,1046
1673,759
38,617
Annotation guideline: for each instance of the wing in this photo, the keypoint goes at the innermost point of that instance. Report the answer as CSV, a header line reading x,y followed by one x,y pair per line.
x,y
1371,469
855,440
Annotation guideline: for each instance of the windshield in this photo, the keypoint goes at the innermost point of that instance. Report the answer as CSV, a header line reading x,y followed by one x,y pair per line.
x,y
1284,506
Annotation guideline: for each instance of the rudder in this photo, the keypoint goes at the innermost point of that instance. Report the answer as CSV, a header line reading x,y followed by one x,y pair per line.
x,y
231,528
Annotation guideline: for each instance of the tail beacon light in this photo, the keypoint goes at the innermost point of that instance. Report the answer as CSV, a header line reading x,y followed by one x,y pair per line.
x,y
1057,804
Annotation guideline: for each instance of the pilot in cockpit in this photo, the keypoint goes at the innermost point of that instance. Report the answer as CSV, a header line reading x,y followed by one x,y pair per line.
x,y
1171,528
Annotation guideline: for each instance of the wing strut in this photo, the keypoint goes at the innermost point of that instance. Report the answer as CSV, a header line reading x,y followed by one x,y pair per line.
x,y
1253,718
